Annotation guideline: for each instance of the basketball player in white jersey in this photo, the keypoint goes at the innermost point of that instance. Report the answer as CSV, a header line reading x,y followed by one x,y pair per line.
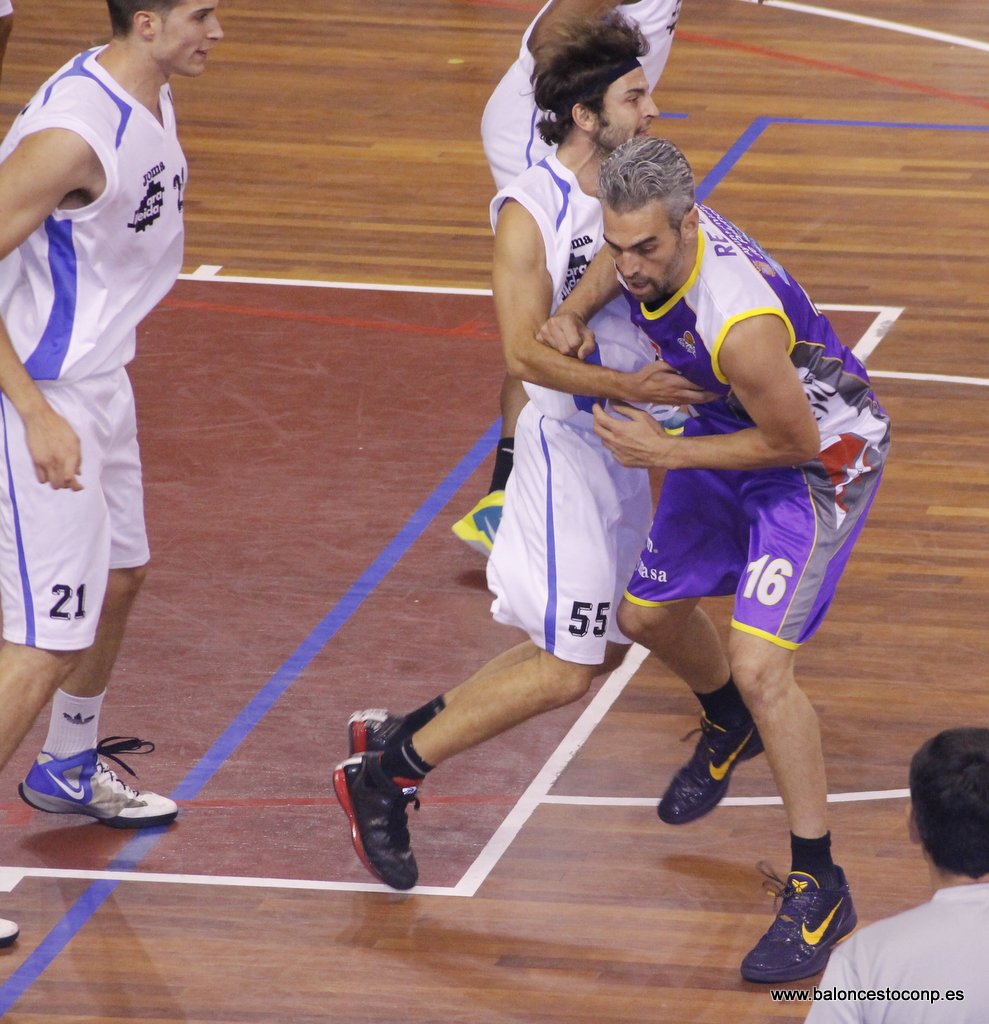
x,y
92,180
573,517
512,144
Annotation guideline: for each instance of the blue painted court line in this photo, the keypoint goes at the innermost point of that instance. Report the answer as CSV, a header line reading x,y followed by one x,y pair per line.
x,y
238,730
748,139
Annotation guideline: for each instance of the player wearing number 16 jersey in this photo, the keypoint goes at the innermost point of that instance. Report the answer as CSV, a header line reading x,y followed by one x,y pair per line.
x,y
764,496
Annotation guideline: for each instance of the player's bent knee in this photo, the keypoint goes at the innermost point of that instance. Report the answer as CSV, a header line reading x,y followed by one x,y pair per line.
x,y
125,583
564,681
38,667
762,685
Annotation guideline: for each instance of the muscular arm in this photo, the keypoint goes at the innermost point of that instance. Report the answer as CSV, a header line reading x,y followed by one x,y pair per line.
x,y
43,172
523,294
754,358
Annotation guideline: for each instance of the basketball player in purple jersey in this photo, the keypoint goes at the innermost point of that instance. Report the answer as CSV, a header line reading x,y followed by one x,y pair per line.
x,y
764,496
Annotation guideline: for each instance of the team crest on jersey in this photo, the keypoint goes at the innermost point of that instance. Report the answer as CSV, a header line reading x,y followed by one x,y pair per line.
x,y
578,264
686,340
154,199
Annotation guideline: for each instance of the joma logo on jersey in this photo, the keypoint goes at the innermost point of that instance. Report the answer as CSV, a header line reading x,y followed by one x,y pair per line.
x,y
579,243
686,340
154,172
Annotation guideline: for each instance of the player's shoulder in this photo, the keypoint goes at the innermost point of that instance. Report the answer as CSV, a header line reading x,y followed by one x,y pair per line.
x,y
544,190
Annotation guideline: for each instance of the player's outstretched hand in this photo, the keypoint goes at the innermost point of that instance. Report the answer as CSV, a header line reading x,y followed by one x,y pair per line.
x,y
634,437
568,334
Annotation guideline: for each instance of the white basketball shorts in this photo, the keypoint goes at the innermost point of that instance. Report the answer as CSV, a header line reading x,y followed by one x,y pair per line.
x,y
573,525
56,547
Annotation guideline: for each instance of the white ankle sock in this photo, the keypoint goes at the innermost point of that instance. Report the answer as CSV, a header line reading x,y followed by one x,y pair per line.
x,y
74,724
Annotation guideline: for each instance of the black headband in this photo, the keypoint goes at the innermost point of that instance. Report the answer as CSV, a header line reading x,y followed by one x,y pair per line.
x,y
598,83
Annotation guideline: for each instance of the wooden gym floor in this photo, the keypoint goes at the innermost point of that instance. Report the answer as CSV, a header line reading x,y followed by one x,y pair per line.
x,y
318,403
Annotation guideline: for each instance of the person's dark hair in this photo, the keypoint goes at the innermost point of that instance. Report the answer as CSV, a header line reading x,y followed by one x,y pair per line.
x,y
949,787
577,65
644,170
122,12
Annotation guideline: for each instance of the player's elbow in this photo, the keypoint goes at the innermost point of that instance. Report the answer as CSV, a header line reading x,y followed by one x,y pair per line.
x,y
804,445
521,365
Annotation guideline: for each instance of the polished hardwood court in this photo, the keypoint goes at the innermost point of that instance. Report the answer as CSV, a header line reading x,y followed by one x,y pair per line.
x,y
318,402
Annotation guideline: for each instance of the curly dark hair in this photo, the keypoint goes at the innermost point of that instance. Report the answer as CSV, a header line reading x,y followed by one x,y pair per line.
x,y
577,65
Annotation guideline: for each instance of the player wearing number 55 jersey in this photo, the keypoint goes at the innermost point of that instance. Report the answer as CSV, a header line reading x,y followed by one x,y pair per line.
x,y
91,193
764,496
574,519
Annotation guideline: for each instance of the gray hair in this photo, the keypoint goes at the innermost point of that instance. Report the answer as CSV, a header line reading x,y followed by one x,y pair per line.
x,y
644,170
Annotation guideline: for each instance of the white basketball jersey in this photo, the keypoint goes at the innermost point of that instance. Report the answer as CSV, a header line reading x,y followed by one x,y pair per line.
x,y
508,124
571,226
73,293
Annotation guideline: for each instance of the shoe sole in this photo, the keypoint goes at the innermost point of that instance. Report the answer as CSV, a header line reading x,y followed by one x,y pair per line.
x,y
700,812
473,538
342,792
116,822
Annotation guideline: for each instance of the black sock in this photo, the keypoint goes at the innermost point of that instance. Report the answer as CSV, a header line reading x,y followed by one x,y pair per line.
x,y
725,706
813,857
504,460
401,760
415,720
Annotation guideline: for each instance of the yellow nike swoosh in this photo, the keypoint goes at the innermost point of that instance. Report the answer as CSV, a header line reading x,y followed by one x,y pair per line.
x,y
814,937
718,772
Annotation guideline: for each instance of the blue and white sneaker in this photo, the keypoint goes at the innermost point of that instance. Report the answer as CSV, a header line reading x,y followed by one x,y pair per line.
x,y
8,933
82,784
477,529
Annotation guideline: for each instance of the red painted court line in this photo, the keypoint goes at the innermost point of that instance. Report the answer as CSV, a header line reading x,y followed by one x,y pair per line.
x,y
470,329
841,69
323,801
727,44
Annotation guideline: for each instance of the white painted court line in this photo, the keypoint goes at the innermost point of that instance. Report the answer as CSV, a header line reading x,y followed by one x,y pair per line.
x,y
886,316
209,272
891,26
551,771
10,877
933,378
729,801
